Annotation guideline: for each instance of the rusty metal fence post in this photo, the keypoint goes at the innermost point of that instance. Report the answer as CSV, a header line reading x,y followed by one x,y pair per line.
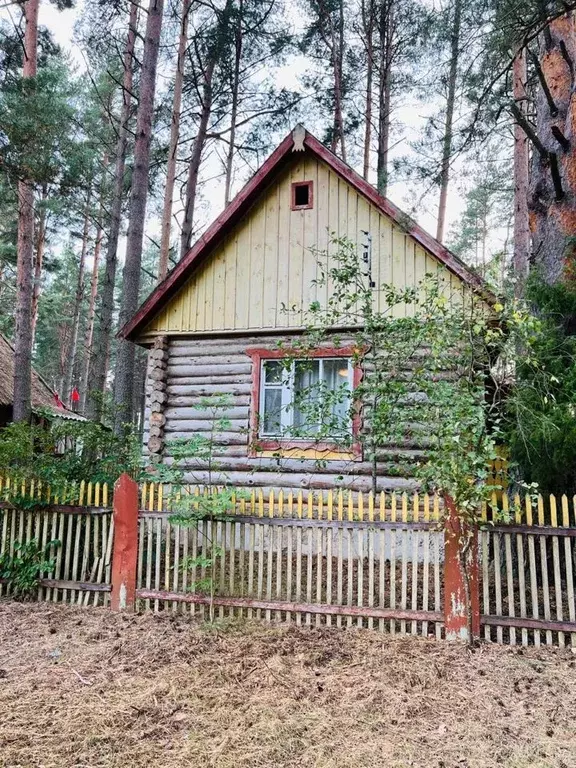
x,y
458,538
125,546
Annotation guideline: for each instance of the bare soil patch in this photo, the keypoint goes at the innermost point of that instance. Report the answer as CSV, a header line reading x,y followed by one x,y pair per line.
x,y
84,688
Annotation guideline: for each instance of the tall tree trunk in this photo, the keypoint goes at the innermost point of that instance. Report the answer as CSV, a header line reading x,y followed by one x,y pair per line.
x,y
384,93
174,136
553,182
338,67
521,178
38,261
368,31
22,408
99,358
449,123
124,381
238,43
89,337
77,310
196,158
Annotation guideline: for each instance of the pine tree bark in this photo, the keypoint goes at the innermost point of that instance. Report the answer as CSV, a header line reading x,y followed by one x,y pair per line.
x,y
337,35
553,174
125,357
101,345
196,158
449,122
38,262
368,32
521,178
384,94
91,317
77,310
22,408
238,44
174,137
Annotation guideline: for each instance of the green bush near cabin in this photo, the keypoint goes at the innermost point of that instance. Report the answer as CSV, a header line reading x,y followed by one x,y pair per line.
x,y
543,425
65,453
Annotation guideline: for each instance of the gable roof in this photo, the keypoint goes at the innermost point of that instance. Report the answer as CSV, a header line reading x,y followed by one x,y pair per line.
x,y
206,243
43,396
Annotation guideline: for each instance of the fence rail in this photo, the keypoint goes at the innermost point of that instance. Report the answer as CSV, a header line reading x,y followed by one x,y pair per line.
x,y
334,558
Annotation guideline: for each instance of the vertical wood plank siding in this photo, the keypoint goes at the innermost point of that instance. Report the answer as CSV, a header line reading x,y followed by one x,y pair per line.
x,y
200,367
270,261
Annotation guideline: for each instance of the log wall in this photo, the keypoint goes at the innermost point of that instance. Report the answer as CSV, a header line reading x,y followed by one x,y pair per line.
x,y
200,367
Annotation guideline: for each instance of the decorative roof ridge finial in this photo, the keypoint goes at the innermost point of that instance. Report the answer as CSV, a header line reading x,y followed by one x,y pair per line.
x,y
298,136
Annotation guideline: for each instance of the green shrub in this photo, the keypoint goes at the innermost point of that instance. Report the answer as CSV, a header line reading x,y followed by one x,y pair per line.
x,y
543,434
21,570
66,452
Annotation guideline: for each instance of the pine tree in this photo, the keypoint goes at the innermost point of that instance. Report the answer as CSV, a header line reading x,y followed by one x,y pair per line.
x,y
125,357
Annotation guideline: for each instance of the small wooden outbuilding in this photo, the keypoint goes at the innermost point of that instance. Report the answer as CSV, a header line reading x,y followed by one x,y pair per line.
x,y
215,323
45,401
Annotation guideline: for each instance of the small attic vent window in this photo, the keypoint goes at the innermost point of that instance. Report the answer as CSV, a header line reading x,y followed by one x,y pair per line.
x,y
302,196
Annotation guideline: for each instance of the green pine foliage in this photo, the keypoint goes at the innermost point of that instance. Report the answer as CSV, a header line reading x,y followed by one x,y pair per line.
x,y
543,424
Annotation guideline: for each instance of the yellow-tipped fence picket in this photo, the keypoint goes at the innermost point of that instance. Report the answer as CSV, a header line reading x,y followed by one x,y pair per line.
x,y
314,558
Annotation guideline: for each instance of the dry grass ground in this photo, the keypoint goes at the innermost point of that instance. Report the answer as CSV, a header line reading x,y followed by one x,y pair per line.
x,y
85,688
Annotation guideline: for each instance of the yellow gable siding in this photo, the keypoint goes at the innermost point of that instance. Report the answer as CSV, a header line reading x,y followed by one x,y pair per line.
x,y
268,260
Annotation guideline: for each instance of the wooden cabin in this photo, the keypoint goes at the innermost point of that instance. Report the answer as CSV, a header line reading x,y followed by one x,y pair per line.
x,y
45,402
215,324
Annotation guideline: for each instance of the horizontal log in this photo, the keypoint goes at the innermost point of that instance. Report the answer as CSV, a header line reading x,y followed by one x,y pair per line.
x,y
157,420
303,480
203,345
224,438
208,390
155,444
201,348
194,403
216,368
224,380
191,358
155,386
290,607
184,412
282,465
190,426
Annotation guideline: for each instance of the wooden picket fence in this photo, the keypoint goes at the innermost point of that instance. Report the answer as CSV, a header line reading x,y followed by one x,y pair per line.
x,y
80,519
315,558
332,558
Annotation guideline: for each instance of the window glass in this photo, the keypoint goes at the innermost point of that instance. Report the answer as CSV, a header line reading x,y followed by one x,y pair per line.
x,y
306,395
273,370
300,399
336,375
272,412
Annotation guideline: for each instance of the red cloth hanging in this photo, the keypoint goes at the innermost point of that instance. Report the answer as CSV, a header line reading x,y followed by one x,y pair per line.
x,y
75,396
57,400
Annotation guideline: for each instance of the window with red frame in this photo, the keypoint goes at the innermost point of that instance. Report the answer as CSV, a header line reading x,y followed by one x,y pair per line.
x,y
303,398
